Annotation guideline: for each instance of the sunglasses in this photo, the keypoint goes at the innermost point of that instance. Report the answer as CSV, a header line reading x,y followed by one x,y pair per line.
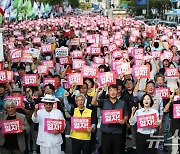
x,y
50,103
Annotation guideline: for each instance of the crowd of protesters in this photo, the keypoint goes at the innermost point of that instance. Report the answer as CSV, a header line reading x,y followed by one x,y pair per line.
x,y
118,72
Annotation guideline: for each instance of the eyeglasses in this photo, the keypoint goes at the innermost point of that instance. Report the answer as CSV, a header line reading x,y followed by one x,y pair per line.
x,y
50,103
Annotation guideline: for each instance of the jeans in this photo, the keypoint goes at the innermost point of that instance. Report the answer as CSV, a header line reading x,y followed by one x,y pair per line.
x,y
165,125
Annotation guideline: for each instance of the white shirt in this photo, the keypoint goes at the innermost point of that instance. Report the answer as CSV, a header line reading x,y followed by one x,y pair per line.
x,y
142,111
44,138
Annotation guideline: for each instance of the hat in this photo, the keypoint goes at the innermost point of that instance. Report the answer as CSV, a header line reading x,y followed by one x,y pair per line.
x,y
49,98
16,89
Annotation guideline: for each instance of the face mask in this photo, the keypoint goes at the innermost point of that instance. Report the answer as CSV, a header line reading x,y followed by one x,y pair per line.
x,y
28,68
48,57
6,65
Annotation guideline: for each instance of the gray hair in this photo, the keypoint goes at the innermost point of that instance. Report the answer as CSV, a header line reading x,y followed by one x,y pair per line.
x,y
80,95
9,102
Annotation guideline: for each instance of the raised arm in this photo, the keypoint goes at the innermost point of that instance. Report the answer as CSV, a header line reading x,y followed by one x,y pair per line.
x,y
94,99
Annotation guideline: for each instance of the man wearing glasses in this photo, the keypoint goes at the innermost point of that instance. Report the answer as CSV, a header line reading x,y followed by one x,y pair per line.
x,y
50,143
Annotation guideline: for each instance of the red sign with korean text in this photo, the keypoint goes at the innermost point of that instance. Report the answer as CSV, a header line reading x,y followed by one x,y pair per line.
x,y
64,60
112,116
156,53
95,50
99,60
37,40
43,69
78,63
11,126
123,68
76,78
30,79
3,76
77,54
171,72
89,72
142,71
107,77
16,54
19,100
51,125
9,76
146,121
176,111
80,123
49,63
112,47
46,48
51,81
162,92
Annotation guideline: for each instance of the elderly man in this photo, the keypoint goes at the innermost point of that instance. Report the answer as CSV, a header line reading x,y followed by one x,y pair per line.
x,y
50,143
13,143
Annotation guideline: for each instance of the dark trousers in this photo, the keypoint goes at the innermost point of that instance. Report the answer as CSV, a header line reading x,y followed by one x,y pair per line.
x,y
81,145
112,143
142,145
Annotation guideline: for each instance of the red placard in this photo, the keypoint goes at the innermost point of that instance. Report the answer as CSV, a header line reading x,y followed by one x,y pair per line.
x,y
37,40
51,125
16,54
89,72
64,60
142,71
75,41
19,100
95,50
3,76
148,58
99,60
65,85
11,126
80,123
112,116
107,77
1,66
30,79
176,111
138,51
50,80
76,78
139,56
162,92
10,76
77,54
171,72
117,54
146,121
46,48
105,42
123,68
49,63
113,47
167,55
116,62
43,69
78,63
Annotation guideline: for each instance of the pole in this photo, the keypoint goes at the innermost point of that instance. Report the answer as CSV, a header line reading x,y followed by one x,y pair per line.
x,y
147,7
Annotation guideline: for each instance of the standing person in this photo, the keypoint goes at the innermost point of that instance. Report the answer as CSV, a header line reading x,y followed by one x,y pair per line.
x,y
50,143
143,134
2,95
81,140
13,143
112,134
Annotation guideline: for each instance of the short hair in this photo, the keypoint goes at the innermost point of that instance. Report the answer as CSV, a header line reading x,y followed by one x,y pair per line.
x,y
159,75
9,102
102,67
114,86
120,83
57,76
50,86
21,67
141,101
80,95
150,82
156,44
128,80
91,80
2,85
79,86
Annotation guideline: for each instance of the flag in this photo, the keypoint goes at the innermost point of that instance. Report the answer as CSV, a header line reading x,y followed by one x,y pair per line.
x,y
7,5
47,8
1,11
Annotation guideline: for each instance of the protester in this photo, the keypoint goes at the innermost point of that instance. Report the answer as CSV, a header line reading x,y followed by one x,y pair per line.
x,y
50,143
13,142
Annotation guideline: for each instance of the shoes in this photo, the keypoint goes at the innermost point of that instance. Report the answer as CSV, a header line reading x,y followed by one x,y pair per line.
x,y
34,152
165,149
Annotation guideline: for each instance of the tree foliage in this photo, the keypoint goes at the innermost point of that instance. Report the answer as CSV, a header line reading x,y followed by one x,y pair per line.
x,y
74,3
85,5
52,2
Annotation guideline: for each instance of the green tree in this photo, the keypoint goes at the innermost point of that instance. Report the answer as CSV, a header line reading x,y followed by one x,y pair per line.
x,y
85,5
52,2
74,3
